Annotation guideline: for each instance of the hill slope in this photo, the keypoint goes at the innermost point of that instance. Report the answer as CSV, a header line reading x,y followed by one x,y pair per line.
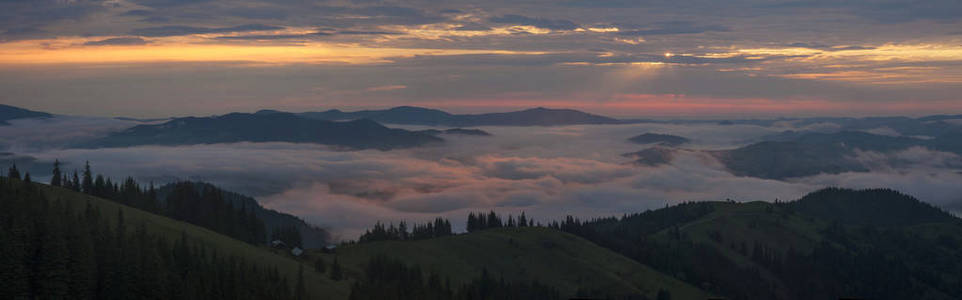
x,y
551,257
873,244
318,286
8,112
561,260
313,237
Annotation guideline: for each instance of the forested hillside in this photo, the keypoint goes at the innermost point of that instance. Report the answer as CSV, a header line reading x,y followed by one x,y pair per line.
x,y
873,244
66,239
51,250
198,203
307,235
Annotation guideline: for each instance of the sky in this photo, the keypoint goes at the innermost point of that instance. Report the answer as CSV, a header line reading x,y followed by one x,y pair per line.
x,y
705,58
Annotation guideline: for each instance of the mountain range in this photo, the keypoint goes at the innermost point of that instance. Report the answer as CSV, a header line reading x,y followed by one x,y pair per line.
x,y
266,127
410,115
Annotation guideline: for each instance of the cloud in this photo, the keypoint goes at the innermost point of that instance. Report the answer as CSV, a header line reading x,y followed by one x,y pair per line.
x,y
121,41
176,30
886,11
384,88
345,16
357,32
168,3
863,60
27,19
829,48
537,22
472,27
138,13
673,28
30,135
274,36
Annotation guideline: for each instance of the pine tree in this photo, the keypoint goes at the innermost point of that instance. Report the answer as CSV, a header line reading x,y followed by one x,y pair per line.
x,y
13,172
75,184
55,180
472,223
88,180
493,220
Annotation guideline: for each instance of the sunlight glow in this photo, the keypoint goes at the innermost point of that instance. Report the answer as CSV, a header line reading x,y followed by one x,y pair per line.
x,y
72,51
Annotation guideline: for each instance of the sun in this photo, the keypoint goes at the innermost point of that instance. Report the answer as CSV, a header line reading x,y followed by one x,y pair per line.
x,y
668,55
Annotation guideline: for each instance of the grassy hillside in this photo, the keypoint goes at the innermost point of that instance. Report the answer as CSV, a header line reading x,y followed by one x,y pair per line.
x,y
319,286
554,258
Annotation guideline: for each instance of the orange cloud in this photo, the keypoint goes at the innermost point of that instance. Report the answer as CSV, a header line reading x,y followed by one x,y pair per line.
x,y
180,49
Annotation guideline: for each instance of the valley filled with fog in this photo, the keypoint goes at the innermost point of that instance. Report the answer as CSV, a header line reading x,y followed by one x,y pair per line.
x,y
547,172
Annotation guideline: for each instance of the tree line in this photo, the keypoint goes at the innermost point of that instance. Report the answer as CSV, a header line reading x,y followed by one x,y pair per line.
x,y
440,227
199,204
482,221
205,206
53,251
389,278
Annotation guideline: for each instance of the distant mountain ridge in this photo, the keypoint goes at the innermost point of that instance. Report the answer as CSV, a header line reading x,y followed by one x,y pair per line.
x,y
654,156
658,138
266,127
410,115
799,154
457,131
8,112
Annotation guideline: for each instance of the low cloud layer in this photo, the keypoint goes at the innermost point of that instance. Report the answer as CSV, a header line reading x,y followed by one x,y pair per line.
x,y
547,172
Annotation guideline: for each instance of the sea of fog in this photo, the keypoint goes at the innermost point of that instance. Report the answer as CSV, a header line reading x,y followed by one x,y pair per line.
x,y
546,172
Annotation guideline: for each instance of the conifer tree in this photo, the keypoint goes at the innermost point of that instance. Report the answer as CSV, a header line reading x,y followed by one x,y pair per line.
x,y
472,223
88,180
56,179
75,183
13,172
